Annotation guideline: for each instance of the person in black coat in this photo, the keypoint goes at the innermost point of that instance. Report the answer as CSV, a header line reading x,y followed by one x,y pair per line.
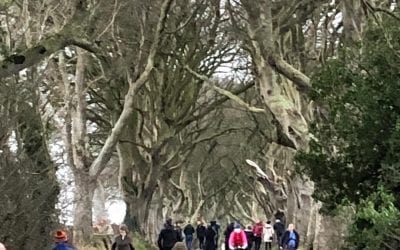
x,y
290,239
188,231
216,228
250,237
227,233
179,230
280,215
122,241
279,229
201,234
168,236
211,243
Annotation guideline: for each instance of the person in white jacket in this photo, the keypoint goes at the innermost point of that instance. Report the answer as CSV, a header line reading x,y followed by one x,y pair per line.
x,y
268,233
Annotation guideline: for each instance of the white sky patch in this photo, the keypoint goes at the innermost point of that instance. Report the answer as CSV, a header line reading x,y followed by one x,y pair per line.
x,y
338,19
116,211
12,142
393,6
66,196
66,181
22,74
69,52
91,127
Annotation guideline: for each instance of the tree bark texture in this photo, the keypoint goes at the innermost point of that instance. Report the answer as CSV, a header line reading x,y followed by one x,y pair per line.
x,y
83,215
284,89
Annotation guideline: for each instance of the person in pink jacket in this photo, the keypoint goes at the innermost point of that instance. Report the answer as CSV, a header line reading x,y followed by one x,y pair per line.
x,y
237,239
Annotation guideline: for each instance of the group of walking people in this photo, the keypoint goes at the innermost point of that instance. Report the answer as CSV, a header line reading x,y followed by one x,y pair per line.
x,y
171,235
121,242
252,237
236,236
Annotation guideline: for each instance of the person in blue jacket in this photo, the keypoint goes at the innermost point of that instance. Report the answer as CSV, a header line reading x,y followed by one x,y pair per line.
x,y
61,241
290,239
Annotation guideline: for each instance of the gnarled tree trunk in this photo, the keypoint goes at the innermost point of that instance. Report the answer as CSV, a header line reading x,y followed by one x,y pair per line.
x,y
83,216
284,90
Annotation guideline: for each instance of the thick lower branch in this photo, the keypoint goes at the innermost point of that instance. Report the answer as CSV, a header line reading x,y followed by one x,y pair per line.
x,y
32,56
224,92
17,62
301,81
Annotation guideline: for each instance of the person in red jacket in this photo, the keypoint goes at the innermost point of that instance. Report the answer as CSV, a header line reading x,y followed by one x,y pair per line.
x,y
258,233
237,239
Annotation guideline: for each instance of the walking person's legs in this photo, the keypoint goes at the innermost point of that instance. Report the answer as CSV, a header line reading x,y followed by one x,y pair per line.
x,y
190,243
278,241
189,240
249,245
201,243
257,243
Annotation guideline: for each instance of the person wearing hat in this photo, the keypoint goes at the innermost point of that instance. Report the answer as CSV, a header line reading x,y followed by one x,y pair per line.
x,y
216,228
237,239
210,243
201,234
61,241
122,241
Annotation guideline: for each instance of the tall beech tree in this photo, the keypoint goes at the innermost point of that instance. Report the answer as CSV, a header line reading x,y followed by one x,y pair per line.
x,y
354,157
